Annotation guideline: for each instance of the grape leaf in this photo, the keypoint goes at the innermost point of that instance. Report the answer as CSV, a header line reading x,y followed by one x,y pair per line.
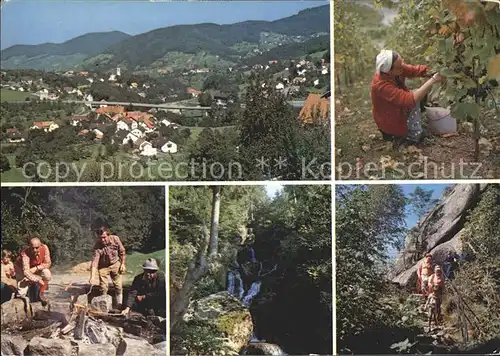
x,y
462,110
468,82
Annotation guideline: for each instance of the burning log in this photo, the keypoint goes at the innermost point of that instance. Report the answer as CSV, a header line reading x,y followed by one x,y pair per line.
x,y
152,329
80,323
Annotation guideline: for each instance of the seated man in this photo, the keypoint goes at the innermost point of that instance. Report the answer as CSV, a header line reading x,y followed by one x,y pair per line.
x,y
396,109
32,270
8,282
147,295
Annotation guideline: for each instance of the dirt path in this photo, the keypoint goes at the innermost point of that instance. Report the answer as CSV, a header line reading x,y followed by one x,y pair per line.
x,y
361,153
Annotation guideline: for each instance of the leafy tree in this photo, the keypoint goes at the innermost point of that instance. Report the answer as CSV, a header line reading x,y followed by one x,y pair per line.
x,y
4,163
421,201
216,148
369,219
205,99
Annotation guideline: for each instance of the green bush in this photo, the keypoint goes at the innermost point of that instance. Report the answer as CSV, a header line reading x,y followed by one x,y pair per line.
x,y
197,337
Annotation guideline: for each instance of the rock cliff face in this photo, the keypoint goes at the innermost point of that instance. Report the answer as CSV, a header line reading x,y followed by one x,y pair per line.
x,y
438,232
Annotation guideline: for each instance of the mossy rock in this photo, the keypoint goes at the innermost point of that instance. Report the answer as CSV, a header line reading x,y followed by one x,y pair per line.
x,y
231,318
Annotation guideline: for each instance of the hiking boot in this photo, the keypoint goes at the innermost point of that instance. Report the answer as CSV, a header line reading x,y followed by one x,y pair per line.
x,y
43,299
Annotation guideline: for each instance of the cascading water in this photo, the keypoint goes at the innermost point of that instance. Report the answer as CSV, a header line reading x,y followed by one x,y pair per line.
x,y
252,292
252,255
235,284
235,288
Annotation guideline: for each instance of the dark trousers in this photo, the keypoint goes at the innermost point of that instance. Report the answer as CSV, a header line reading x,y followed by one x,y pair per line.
x,y
34,292
6,293
150,307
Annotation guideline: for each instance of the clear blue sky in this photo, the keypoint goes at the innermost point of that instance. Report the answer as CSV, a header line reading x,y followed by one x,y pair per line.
x,y
273,188
35,21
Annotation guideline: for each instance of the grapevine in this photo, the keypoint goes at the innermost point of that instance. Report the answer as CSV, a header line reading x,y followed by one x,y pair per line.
x,y
353,53
461,40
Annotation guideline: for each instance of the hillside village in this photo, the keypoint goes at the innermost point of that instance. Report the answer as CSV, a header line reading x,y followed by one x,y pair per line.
x,y
145,131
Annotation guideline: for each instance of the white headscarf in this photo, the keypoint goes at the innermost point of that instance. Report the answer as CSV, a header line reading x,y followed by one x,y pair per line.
x,y
384,61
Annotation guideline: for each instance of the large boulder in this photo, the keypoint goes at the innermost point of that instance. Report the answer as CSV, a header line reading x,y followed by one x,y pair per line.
x,y
231,318
409,276
14,311
138,347
58,311
438,232
96,349
39,346
102,303
262,348
13,345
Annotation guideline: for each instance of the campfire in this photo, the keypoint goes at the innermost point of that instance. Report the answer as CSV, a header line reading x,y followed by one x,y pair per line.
x,y
76,323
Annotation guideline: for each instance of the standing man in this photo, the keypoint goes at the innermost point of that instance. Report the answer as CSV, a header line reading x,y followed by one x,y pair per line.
x,y
424,271
33,270
396,109
147,295
109,260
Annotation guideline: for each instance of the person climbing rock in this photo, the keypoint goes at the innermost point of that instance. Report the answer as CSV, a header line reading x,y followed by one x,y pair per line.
x,y
396,109
147,295
436,283
33,270
109,261
8,274
424,271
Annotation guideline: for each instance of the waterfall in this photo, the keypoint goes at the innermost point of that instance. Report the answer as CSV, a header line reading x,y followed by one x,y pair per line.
x,y
252,255
252,292
235,284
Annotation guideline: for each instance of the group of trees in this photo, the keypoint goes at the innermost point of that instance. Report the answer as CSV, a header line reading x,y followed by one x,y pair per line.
x,y
291,230
268,129
66,218
23,115
52,79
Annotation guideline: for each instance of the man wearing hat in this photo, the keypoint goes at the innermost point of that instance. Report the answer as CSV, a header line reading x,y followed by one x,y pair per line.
x,y
147,295
396,109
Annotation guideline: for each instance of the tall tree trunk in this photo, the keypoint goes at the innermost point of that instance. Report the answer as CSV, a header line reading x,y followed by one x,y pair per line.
x,y
198,267
337,75
214,228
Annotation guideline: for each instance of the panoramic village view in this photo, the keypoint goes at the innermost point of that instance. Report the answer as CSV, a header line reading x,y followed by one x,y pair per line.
x,y
245,100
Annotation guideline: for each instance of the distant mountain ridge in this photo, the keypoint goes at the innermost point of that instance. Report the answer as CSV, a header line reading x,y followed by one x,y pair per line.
x,y
89,44
112,49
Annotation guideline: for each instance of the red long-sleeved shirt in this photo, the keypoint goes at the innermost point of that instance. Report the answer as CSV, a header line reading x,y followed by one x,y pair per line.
x,y
28,259
390,103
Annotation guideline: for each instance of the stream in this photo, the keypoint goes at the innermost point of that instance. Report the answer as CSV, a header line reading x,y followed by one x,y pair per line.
x,y
235,287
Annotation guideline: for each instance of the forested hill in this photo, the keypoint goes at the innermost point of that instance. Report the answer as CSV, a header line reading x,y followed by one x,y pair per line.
x,y
89,44
144,49
292,232
378,300
228,42
66,218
